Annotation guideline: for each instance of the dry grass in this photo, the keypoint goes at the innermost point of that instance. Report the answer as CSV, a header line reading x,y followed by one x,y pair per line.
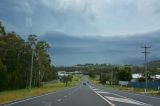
x,y
8,96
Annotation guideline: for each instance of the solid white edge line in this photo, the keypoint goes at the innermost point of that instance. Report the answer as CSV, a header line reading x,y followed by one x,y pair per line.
x,y
132,100
105,99
145,104
136,94
59,100
30,98
102,96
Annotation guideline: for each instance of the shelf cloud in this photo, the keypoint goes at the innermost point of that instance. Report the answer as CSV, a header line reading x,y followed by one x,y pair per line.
x,y
70,50
96,31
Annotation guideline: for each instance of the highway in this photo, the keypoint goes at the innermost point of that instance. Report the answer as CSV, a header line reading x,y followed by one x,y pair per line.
x,y
89,95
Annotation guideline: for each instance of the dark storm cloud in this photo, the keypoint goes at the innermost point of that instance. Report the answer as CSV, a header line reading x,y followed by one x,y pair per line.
x,y
80,17
68,50
91,31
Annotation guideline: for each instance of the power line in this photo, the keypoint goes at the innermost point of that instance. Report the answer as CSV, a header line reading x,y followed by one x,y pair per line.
x,y
145,65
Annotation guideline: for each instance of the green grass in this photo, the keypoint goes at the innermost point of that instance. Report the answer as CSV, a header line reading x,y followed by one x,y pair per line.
x,y
8,96
95,80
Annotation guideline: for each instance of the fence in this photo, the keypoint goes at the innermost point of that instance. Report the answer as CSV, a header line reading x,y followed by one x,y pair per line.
x,y
151,84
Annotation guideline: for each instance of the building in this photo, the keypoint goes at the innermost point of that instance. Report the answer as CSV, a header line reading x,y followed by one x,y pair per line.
x,y
62,73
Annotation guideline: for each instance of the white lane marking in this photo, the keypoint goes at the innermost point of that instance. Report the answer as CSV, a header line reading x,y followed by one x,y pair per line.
x,y
105,99
37,96
91,87
95,89
46,103
135,94
98,90
75,90
101,96
123,100
104,92
138,94
145,104
65,96
59,100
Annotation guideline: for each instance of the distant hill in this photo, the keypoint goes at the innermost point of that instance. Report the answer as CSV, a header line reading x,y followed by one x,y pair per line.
x,y
154,64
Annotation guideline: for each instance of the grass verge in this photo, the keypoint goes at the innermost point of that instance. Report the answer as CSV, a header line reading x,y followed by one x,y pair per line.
x,y
152,92
9,96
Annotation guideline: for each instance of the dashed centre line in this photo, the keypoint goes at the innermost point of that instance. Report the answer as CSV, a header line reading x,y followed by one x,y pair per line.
x,y
59,100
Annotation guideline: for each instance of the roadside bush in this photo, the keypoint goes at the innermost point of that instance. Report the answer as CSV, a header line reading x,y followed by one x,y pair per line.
x,y
104,78
125,74
66,79
141,79
92,74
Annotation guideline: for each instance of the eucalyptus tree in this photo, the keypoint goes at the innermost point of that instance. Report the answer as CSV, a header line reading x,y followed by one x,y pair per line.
x,y
32,39
42,59
2,30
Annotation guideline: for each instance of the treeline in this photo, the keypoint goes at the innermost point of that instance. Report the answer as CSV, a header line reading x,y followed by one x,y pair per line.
x,y
110,72
97,68
15,61
85,68
106,72
117,74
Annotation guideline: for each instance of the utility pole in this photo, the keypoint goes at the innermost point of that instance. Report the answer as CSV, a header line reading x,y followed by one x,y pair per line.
x,y
112,77
145,65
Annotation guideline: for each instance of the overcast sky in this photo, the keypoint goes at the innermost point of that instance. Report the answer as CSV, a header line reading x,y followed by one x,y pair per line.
x,y
88,31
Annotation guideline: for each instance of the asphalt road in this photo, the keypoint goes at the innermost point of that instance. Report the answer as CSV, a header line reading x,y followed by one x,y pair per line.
x,y
89,95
